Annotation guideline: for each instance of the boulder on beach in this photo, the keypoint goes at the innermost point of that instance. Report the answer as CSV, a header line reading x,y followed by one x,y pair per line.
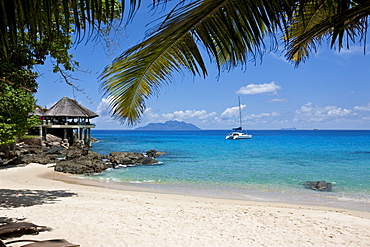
x,y
318,185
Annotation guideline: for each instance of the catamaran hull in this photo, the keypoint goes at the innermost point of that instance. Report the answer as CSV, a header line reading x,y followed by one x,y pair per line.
x,y
243,137
237,136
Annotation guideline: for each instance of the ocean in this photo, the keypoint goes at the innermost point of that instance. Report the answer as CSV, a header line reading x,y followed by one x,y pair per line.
x,y
270,167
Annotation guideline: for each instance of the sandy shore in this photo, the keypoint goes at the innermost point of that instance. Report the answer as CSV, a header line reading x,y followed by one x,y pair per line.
x,y
96,216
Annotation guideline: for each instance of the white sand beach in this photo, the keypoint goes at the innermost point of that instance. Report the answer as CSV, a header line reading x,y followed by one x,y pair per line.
x,y
98,216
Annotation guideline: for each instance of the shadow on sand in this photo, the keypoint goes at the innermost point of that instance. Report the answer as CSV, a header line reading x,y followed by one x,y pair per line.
x,y
27,198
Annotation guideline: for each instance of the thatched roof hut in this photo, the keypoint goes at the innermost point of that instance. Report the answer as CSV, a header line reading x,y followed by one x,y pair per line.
x,y
57,121
67,107
37,112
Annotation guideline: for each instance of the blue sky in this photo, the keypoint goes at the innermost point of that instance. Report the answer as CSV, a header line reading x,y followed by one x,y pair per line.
x,y
330,91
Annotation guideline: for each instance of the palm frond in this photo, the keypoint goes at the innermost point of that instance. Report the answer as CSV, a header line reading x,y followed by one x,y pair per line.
x,y
40,18
231,31
336,20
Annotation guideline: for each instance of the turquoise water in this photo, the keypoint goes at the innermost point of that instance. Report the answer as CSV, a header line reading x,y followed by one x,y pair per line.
x,y
269,167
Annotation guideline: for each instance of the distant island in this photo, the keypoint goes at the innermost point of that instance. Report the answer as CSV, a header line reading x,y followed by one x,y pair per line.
x,y
288,128
169,125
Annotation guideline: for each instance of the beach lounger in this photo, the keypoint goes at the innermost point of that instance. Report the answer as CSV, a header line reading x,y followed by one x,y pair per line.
x,y
43,243
11,229
18,228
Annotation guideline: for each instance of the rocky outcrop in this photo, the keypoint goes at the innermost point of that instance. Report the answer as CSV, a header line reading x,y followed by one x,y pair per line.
x,y
52,140
76,159
133,159
318,185
80,160
33,141
154,153
22,153
84,161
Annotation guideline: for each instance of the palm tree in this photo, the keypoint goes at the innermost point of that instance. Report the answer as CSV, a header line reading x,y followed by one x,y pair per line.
x,y
29,21
232,32
31,30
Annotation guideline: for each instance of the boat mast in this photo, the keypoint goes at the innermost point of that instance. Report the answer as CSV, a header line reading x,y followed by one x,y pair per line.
x,y
240,114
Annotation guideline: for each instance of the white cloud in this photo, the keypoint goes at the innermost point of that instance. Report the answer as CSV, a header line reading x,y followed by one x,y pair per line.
x,y
278,100
191,116
305,116
263,115
182,115
362,108
313,113
103,107
271,87
231,112
105,120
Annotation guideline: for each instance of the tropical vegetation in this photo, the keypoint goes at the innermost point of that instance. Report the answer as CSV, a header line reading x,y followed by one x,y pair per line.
x,y
231,32
31,31
16,104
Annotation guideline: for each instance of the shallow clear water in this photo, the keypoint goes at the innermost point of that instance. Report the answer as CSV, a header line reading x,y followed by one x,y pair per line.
x,y
268,167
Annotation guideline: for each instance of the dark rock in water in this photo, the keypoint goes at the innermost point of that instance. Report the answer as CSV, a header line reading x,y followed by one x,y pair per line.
x,y
148,161
125,158
81,161
94,140
81,166
76,152
132,159
153,153
318,185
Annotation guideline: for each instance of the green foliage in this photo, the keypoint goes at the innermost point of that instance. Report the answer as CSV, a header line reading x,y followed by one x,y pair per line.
x,y
16,104
32,30
340,22
34,20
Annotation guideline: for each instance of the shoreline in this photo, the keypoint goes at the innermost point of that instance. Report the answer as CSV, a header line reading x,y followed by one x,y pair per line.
x,y
95,215
302,197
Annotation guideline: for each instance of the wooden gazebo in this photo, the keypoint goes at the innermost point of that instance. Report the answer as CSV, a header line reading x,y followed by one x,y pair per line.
x,y
66,117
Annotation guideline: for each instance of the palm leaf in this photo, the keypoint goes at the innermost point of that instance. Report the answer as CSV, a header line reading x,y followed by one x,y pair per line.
x,y
41,18
232,32
335,20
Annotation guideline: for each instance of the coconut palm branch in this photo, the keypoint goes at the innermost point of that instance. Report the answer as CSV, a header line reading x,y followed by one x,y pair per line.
x,y
28,21
336,21
231,31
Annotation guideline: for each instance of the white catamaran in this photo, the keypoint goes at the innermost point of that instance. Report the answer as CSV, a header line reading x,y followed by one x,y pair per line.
x,y
238,132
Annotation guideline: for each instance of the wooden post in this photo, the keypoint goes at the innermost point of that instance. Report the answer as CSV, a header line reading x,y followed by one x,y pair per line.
x,y
89,137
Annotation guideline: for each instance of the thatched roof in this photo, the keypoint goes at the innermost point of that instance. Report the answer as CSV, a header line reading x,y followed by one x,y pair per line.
x,y
37,112
67,107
